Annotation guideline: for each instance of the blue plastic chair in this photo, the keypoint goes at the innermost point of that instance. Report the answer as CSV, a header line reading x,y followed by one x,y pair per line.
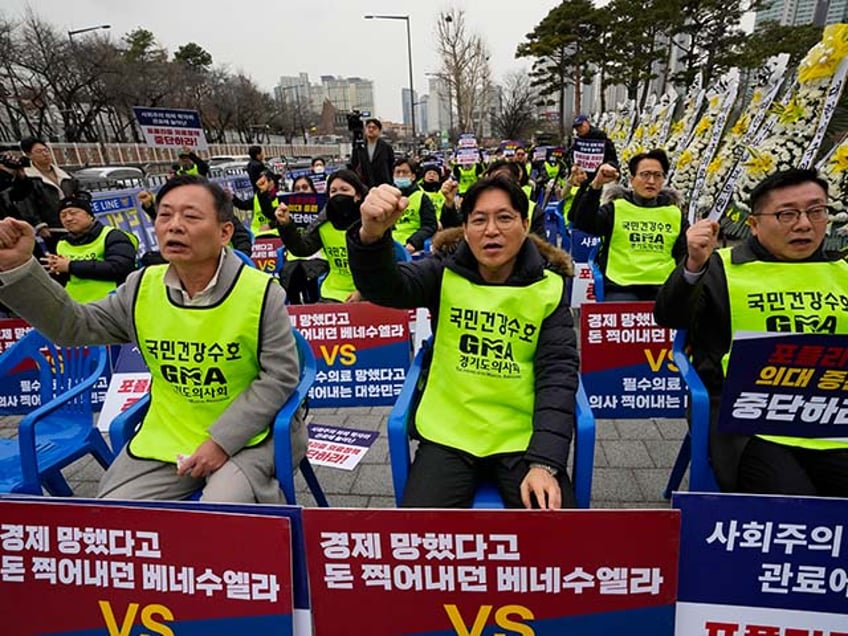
x,y
401,255
597,274
487,495
124,426
555,230
695,448
62,429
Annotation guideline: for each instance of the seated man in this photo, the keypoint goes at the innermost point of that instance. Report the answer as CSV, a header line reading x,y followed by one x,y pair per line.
x,y
500,396
418,221
215,335
643,231
709,294
92,259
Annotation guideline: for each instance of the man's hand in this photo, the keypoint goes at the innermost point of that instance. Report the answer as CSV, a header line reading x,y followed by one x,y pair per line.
x,y
145,197
449,189
204,461
382,207
544,486
701,240
607,173
17,240
56,264
282,214
355,297
410,248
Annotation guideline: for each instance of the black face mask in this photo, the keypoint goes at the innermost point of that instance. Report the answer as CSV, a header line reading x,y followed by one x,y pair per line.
x,y
430,186
342,211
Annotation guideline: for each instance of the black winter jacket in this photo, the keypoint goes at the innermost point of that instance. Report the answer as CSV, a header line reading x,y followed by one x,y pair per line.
x,y
418,284
118,262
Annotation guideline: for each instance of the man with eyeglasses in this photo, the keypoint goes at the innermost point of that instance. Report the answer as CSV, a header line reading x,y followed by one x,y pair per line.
x,y
642,230
709,294
499,398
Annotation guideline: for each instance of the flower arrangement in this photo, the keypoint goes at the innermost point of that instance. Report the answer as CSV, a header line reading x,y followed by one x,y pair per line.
x,y
798,121
679,133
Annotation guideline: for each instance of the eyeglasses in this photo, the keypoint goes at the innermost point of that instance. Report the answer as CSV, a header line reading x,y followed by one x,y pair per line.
x,y
815,214
503,221
651,176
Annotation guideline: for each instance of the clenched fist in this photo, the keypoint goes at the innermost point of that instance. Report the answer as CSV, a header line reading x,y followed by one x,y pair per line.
x,y
606,174
701,240
282,214
17,240
380,210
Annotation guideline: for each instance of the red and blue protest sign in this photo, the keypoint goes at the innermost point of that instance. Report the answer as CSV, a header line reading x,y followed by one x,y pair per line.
x,y
171,128
266,253
116,569
762,565
363,352
304,207
626,362
787,384
583,284
472,572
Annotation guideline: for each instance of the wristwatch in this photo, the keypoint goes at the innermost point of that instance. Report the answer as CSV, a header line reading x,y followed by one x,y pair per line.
x,y
553,471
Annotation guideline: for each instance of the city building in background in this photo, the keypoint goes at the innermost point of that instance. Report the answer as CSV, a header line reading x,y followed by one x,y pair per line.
x,y
801,12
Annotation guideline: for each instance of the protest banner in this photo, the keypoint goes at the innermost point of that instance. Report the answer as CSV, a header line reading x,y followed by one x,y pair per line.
x,y
786,384
362,350
118,569
485,572
171,128
121,210
130,382
626,362
265,253
764,565
338,447
583,283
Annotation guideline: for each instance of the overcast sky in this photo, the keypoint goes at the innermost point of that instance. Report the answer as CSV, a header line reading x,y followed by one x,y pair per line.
x,y
320,37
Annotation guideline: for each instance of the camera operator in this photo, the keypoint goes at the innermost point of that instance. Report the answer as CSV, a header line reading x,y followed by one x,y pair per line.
x,y
13,183
46,184
374,159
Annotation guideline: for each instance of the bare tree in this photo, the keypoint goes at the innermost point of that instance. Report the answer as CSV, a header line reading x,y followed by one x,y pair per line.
x,y
515,118
464,59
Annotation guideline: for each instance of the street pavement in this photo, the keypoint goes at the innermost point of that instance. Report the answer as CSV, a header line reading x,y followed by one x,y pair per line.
x,y
632,461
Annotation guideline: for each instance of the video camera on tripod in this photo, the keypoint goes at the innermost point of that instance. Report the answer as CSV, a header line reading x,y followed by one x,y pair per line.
x,y
356,126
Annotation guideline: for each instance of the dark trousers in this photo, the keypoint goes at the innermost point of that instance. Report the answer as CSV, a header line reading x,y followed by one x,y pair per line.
x,y
442,477
777,469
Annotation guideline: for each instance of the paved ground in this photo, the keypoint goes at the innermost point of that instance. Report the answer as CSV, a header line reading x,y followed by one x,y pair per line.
x,y
632,462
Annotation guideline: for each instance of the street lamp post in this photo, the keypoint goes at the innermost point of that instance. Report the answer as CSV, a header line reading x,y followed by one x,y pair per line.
x,y
409,55
74,32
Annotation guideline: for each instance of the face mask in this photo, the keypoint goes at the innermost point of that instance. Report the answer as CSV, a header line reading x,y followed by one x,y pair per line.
x,y
403,182
342,211
431,186
318,169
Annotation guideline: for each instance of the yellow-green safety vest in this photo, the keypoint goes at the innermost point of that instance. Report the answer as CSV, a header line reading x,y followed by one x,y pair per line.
x,y
410,221
200,360
467,178
193,170
338,284
800,284
480,391
86,290
259,219
641,243
438,200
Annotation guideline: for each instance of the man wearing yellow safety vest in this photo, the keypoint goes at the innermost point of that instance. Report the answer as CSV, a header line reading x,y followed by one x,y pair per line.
x,y
643,231
418,221
466,176
440,193
499,396
191,164
92,259
215,335
262,205
711,294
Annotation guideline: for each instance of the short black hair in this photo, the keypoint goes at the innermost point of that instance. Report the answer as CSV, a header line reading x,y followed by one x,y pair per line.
x,y
785,179
348,176
315,159
308,180
406,160
28,143
500,164
223,205
375,121
254,151
517,198
657,154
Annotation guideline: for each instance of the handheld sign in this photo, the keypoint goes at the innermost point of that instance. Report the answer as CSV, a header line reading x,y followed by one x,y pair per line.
x,y
171,128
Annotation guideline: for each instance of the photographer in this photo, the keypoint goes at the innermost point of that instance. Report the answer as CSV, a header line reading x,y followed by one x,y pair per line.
x,y
374,159
13,184
37,200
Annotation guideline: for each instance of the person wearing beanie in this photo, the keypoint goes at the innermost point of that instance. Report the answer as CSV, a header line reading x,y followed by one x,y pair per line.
x,y
93,259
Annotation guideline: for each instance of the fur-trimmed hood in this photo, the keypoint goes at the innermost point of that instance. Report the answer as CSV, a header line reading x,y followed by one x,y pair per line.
x,y
446,241
615,191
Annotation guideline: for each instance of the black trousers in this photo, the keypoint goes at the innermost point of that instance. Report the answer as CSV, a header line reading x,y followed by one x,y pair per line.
x,y
777,469
442,477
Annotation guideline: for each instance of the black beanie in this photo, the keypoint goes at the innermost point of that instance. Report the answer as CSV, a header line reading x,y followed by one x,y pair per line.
x,y
80,200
